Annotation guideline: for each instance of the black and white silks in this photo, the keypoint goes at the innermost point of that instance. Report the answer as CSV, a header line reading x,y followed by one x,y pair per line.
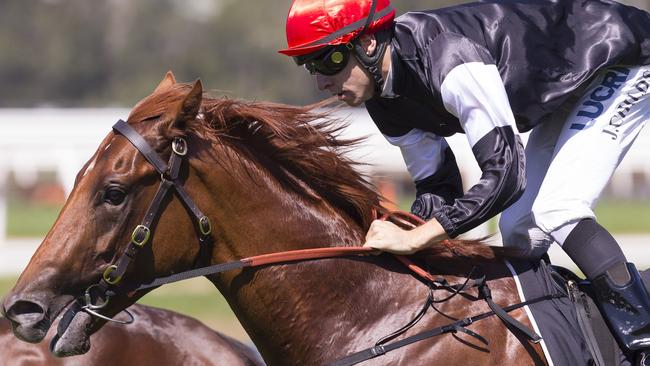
x,y
483,68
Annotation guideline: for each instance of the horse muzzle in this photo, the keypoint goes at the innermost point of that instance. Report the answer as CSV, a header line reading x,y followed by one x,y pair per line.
x,y
29,316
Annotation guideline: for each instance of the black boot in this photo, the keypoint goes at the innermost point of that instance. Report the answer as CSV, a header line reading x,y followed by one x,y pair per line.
x,y
624,302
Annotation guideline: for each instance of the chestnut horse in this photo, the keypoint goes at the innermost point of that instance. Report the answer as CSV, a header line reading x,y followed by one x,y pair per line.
x,y
271,178
155,335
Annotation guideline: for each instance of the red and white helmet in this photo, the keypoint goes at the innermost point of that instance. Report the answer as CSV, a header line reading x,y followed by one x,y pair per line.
x,y
314,24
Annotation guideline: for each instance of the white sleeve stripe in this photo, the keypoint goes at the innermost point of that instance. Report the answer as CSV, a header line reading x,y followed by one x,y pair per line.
x,y
474,93
422,152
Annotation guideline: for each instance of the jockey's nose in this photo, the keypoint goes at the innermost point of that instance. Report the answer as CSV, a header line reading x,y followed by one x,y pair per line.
x,y
323,81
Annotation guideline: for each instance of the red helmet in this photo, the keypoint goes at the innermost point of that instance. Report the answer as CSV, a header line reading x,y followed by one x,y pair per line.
x,y
314,24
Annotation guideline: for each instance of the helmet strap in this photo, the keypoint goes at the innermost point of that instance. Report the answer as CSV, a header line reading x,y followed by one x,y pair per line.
x,y
372,62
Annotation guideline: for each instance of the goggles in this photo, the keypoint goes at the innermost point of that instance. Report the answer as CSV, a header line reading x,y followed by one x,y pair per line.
x,y
328,61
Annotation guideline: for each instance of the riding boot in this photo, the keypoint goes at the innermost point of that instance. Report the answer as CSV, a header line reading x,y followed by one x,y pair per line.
x,y
624,302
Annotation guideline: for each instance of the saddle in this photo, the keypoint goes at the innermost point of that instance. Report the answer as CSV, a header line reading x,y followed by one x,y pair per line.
x,y
600,341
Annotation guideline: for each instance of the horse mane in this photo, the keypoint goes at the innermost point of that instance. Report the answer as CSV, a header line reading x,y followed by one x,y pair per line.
x,y
305,142
300,146
307,145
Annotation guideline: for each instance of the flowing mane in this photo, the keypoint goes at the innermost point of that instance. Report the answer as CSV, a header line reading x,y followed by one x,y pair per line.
x,y
305,143
302,141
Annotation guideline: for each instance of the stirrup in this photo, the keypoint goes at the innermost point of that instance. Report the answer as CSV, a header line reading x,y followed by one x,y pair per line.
x,y
626,309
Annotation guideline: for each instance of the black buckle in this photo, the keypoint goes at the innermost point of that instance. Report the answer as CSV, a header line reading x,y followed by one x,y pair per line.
x,y
378,350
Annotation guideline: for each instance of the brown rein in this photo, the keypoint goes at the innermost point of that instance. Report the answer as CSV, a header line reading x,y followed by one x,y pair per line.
x,y
400,217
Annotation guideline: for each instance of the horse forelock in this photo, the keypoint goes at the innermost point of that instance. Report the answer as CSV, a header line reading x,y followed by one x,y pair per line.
x,y
156,104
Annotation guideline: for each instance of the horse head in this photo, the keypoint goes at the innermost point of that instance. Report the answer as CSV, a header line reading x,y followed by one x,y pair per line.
x,y
109,199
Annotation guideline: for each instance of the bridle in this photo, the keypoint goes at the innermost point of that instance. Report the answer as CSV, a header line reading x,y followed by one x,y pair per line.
x,y
98,295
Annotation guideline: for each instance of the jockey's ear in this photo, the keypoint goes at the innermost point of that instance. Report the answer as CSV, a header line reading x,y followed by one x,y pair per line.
x,y
166,82
368,43
187,108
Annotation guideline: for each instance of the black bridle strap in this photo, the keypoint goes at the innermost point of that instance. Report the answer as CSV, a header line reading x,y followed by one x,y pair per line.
x,y
132,248
169,180
169,172
181,276
255,261
139,142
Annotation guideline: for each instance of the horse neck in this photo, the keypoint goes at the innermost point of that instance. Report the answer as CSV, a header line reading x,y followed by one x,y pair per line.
x,y
258,214
278,304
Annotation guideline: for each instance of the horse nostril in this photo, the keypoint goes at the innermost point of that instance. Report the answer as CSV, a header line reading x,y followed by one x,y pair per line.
x,y
25,313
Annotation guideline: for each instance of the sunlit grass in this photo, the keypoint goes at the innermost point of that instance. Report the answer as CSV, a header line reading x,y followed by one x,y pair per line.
x,y
30,219
621,216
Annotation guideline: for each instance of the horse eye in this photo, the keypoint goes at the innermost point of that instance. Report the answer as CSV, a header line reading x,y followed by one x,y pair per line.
x,y
114,196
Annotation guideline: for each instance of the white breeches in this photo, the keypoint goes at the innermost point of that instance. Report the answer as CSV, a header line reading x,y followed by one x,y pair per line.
x,y
568,163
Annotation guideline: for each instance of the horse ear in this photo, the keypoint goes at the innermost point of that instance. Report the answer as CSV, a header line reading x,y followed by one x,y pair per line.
x,y
166,82
187,109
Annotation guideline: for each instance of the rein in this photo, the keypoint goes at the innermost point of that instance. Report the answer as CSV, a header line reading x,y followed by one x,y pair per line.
x,y
98,295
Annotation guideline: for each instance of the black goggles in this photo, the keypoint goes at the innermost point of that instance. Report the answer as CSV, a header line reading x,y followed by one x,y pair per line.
x,y
328,61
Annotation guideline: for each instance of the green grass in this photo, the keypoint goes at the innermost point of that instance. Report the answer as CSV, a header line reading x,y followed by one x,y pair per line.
x,y
6,283
30,220
620,216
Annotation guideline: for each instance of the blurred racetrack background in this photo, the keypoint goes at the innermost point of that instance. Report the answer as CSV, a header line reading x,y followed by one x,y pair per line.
x,y
70,68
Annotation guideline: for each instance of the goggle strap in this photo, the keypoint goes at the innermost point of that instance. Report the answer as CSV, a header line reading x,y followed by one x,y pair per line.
x,y
365,23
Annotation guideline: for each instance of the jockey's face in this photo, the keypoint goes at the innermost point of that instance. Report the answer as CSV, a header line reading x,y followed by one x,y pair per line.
x,y
352,85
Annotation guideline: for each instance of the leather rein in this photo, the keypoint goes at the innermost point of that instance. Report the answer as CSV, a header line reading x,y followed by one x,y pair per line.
x,y
98,295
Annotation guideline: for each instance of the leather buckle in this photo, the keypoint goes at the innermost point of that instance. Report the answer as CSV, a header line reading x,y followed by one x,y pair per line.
x,y
140,235
204,225
378,350
179,146
107,276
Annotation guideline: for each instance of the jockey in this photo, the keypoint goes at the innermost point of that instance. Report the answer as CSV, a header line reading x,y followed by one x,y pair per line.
x,y
574,73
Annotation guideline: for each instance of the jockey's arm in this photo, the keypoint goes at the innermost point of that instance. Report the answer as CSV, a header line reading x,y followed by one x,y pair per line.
x,y
475,94
432,166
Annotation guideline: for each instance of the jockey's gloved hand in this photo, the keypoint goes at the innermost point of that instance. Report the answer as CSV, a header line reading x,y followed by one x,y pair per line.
x,y
426,204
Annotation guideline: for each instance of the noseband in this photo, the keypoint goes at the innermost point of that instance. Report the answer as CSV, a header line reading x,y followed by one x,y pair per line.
x,y
97,296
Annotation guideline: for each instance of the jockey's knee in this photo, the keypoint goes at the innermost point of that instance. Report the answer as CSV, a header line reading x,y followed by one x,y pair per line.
x,y
522,236
554,218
